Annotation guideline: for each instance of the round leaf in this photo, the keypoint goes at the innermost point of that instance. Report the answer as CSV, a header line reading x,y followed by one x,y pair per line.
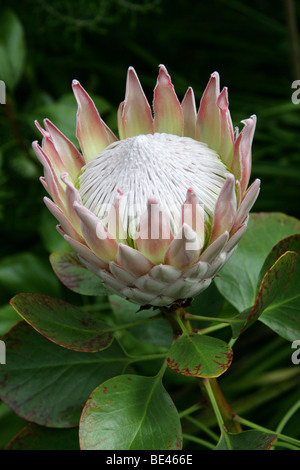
x,y
199,356
130,413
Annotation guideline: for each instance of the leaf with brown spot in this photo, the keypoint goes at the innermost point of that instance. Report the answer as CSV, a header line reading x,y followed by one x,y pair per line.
x,y
130,412
63,323
273,287
283,316
197,355
246,440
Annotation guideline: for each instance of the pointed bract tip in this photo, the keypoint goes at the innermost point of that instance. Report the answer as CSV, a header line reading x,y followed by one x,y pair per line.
x,y
215,75
42,131
131,70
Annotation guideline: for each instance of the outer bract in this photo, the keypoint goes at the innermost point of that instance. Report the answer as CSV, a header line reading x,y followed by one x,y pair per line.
x,y
156,213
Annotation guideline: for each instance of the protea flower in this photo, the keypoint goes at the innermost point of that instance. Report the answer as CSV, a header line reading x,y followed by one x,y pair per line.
x,y
157,213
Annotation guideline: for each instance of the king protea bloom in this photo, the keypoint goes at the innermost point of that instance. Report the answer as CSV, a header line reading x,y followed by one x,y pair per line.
x,y
156,213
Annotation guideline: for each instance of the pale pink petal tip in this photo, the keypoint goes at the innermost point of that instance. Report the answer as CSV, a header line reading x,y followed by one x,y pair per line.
x,y
96,234
185,249
188,106
225,209
92,133
168,115
134,115
133,261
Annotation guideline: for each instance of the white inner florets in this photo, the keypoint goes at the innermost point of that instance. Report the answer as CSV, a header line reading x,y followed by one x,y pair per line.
x,y
162,166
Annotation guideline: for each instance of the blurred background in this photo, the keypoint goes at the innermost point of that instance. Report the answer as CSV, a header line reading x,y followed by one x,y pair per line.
x,y
45,45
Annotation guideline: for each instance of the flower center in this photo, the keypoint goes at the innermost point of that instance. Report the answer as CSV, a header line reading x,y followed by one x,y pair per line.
x,y
162,166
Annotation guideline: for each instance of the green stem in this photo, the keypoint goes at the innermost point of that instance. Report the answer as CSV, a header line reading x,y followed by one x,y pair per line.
x,y
226,412
214,404
149,357
205,331
203,428
215,319
287,416
198,440
190,410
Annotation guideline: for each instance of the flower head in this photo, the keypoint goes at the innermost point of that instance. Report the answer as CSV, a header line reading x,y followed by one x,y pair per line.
x,y
156,213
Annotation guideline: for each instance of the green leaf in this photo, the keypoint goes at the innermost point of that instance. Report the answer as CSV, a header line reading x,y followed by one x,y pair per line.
x,y
272,287
209,302
291,243
34,437
130,413
157,332
197,355
48,384
246,440
238,279
74,275
283,316
63,323
12,49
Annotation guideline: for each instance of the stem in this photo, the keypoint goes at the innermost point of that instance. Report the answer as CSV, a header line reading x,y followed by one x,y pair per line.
x,y
287,416
148,357
214,404
215,319
198,440
203,428
190,410
227,413
205,331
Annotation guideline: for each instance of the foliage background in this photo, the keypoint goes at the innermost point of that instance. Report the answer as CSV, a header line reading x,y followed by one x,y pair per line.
x,y
248,43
